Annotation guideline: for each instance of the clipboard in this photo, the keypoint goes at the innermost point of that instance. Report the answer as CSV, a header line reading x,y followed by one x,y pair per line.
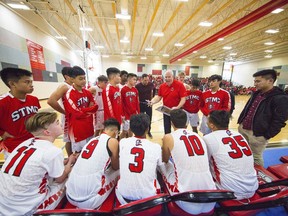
x,y
164,109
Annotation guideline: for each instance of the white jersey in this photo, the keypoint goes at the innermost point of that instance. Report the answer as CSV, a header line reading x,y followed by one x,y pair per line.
x,y
61,100
190,158
88,174
232,163
139,159
24,176
98,97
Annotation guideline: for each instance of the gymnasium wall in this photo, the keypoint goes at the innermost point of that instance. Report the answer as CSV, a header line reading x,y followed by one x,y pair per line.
x,y
242,73
14,32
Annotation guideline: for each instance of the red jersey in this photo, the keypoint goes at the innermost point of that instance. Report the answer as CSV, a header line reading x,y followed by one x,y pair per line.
x,y
112,102
79,114
172,94
130,101
14,112
193,101
219,100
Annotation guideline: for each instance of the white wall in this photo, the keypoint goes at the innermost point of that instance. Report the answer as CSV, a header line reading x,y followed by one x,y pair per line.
x,y
15,24
243,73
210,70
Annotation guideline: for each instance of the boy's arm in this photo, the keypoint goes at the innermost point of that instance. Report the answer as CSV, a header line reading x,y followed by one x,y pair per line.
x,y
167,147
67,168
55,96
113,146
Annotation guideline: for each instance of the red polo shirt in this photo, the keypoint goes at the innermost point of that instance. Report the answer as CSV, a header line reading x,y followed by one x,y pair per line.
x,y
172,94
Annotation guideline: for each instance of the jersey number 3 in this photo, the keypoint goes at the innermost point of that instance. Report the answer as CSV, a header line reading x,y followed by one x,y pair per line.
x,y
238,145
137,167
24,153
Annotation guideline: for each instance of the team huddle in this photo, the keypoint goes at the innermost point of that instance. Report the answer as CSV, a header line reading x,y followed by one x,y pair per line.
x,y
105,130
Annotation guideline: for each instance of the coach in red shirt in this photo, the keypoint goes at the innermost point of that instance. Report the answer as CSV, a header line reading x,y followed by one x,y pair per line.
x,y
173,93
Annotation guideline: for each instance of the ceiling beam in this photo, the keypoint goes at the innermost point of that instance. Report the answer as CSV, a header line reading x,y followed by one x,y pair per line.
x,y
244,21
150,24
133,21
71,7
185,23
116,25
169,21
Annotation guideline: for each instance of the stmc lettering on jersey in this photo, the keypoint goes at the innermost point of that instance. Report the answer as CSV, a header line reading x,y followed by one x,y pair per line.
x,y
24,111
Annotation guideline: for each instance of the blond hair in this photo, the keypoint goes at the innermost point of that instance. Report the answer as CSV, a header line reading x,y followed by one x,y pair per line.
x,y
40,121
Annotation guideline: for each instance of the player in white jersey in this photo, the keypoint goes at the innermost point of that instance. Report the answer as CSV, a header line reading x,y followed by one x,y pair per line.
x,y
231,159
33,176
188,168
56,100
139,159
97,93
96,171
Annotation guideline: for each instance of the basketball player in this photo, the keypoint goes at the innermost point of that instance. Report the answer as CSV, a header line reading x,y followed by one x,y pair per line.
x,y
231,159
189,167
33,176
214,98
80,107
181,76
111,96
97,93
130,103
16,107
94,175
139,159
192,104
59,95
123,76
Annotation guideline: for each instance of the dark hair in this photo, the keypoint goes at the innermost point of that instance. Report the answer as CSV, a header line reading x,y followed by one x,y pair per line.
x,y
13,74
131,75
123,72
66,71
139,124
40,120
112,70
76,71
144,75
267,74
215,77
195,83
220,118
102,78
111,122
178,118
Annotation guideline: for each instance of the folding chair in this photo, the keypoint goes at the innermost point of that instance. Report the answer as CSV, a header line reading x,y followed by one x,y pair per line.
x,y
145,207
197,196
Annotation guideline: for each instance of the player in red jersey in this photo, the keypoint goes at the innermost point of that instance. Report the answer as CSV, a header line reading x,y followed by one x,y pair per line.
x,y
16,107
56,102
192,104
215,98
111,96
130,103
80,107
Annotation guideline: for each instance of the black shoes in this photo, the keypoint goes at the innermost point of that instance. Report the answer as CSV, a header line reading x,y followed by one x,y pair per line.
x,y
150,135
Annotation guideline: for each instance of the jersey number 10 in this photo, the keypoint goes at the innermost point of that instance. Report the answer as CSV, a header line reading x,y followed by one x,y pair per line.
x,y
193,145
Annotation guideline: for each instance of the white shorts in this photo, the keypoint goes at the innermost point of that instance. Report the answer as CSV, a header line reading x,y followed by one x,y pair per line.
x,y
99,120
204,127
193,119
65,129
77,146
54,196
169,177
126,125
96,199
